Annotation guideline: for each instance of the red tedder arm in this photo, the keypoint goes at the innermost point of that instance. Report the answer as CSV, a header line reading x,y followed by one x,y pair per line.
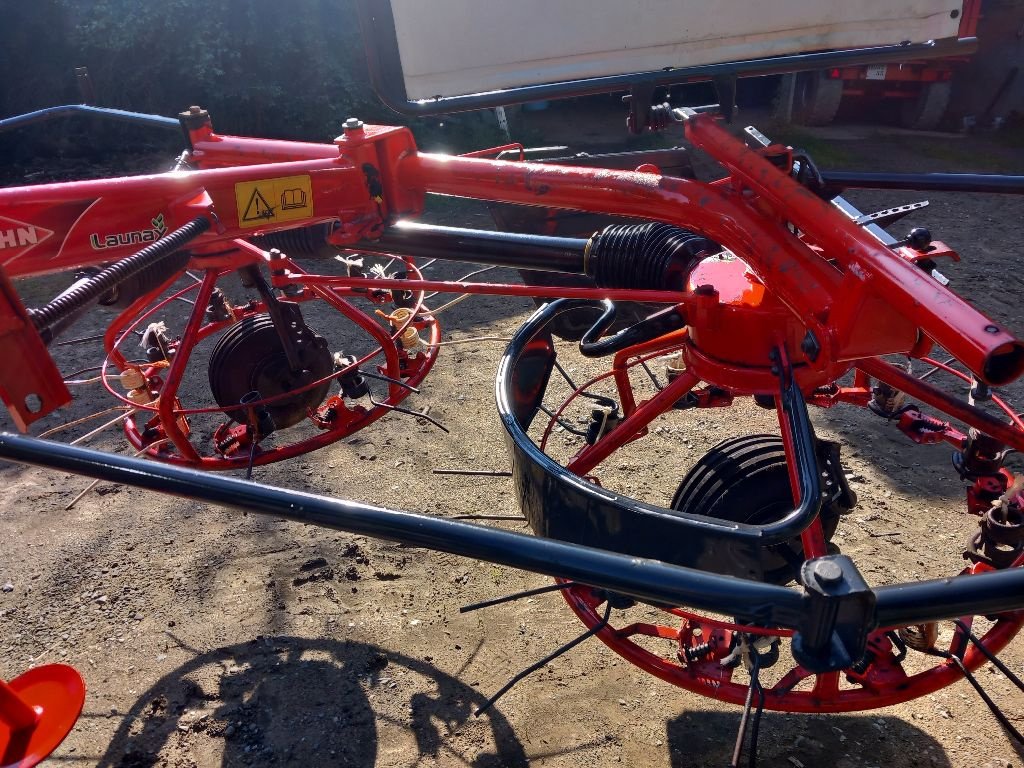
x,y
856,297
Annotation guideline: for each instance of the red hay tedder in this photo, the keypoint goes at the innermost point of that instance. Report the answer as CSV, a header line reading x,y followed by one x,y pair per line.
x,y
765,283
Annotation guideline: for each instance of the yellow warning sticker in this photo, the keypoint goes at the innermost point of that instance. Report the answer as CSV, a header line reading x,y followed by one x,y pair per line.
x,y
273,201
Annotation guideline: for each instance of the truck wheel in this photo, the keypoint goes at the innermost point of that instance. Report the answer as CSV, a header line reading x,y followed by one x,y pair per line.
x,y
816,98
925,111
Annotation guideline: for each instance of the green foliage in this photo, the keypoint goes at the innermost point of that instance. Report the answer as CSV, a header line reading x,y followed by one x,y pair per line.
x,y
277,68
35,66
292,69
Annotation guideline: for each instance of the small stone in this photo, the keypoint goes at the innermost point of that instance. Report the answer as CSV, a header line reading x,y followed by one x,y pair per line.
x,y
8,587
622,702
102,599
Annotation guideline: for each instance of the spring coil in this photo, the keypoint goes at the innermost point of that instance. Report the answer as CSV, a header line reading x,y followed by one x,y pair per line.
x,y
920,637
302,241
697,652
146,280
645,256
67,304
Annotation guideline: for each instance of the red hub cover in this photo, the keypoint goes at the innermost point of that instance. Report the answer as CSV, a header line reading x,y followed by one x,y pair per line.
x,y
37,710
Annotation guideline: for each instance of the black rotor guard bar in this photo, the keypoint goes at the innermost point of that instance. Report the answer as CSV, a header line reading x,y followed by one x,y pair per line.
x,y
823,617
560,505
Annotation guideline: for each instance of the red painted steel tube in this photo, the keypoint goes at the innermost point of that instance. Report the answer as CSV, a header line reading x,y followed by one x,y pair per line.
x,y
490,289
990,352
169,390
629,427
75,211
210,150
803,282
958,409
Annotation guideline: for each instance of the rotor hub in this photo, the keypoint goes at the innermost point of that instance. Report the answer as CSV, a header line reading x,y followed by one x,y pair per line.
x,y
250,357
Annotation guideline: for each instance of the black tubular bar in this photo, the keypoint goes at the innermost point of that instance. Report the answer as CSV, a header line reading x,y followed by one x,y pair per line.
x,y
987,594
648,580
501,249
68,110
926,182
380,41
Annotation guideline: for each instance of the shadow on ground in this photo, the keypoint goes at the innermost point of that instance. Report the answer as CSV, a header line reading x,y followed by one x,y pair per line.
x,y
837,741
297,701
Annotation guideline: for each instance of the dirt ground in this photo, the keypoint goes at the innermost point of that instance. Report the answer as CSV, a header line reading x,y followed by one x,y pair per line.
x,y
210,638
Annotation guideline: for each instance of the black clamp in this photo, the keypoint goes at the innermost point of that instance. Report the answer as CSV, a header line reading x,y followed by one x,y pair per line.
x,y
839,614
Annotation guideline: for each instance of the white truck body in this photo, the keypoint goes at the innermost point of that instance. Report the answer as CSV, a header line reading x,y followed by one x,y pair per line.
x,y
458,47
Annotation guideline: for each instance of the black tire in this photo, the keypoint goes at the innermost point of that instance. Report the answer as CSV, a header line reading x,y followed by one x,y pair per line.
x,y
816,98
745,480
924,112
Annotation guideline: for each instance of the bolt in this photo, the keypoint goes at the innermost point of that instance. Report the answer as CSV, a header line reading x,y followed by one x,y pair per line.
x,y
828,572
195,109
275,253
919,238
352,124
991,329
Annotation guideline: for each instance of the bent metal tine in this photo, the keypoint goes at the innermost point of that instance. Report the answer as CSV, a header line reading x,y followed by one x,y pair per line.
x,y
647,580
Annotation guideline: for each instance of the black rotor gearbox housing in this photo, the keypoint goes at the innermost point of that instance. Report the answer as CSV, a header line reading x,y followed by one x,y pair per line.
x,y
250,357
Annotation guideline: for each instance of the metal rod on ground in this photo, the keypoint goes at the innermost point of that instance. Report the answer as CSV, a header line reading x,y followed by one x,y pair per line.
x,y
102,427
474,472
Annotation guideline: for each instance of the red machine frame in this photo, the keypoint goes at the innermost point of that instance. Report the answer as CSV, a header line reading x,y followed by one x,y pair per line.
x,y
819,297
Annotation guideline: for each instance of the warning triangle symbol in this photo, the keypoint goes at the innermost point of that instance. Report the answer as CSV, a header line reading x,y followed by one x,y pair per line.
x,y
258,208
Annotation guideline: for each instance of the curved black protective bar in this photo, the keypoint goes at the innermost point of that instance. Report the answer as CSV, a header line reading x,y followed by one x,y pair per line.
x,y
560,505
68,110
926,182
651,581
385,66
